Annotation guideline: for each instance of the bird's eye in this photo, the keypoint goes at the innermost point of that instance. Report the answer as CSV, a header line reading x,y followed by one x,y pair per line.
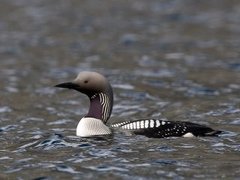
x,y
86,81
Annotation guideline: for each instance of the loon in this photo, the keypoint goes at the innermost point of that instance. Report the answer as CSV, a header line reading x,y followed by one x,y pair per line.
x,y
100,94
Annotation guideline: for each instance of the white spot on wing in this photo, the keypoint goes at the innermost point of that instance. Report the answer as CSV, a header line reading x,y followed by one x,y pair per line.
x,y
163,122
134,125
151,123
146,123
131,126
138,124
157,123
142,124
115,125
124,127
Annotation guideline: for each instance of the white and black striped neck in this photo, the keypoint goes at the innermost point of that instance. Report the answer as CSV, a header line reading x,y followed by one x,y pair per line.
x,y
99,92
100,106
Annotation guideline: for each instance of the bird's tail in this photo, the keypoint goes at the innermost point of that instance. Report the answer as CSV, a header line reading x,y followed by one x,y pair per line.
x,y
213,133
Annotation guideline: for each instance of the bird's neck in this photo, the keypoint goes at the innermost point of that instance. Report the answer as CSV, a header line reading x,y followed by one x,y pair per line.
x,y
100,106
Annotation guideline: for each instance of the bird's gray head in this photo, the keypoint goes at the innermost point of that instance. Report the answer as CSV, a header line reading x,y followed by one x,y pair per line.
x,y
89,83
99,91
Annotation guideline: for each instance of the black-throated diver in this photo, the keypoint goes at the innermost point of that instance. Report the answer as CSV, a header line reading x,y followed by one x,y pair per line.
x,y
100,94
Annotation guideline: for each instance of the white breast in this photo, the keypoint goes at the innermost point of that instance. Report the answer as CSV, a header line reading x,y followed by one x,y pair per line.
x,y
88,126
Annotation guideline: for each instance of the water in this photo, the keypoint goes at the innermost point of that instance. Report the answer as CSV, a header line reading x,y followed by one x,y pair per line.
x,y
172,59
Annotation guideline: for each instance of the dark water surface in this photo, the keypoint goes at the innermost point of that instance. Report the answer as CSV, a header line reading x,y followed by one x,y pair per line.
x,y
177,59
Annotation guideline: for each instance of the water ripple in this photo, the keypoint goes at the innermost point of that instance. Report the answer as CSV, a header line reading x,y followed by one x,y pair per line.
x,y
8,128
162,149
5,109
65,168
108,168
53,142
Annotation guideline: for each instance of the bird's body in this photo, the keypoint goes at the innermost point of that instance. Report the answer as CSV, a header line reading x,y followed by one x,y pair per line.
x,y
158,128
100,94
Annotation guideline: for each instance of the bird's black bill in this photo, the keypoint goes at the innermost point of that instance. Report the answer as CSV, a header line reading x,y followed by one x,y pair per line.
x,y
68,85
